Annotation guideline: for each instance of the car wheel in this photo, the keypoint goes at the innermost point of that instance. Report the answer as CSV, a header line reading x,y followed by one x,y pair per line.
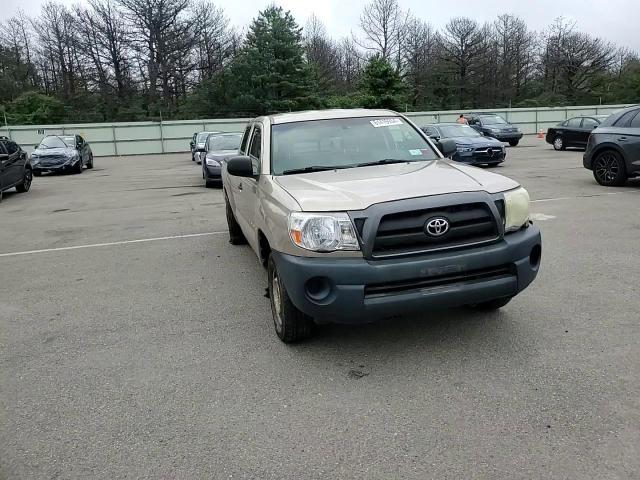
x,y
193,158
26,181
291,324
90,164
236,237
77,168
514,143
558,143
609,169
491,304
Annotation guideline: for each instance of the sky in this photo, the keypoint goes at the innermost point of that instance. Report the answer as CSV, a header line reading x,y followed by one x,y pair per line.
x,y
613,20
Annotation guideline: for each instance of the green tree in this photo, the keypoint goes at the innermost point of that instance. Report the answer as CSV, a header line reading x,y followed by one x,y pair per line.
x,y
33,108
381,86
270,74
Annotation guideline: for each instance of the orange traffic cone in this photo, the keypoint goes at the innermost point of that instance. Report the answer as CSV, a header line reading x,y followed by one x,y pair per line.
x,y
540,133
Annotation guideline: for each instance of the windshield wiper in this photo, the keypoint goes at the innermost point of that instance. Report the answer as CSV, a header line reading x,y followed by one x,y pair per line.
x,y
384,161
313,168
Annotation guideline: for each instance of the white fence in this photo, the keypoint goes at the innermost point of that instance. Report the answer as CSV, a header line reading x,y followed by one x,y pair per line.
x,y
136,138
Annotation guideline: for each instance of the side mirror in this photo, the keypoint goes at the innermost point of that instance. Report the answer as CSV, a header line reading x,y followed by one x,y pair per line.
x,y
240,166
447,147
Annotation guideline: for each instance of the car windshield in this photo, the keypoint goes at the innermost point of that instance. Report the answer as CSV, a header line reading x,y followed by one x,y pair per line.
x,y
202,137
345,143
449,131
56,142
493,120
225,142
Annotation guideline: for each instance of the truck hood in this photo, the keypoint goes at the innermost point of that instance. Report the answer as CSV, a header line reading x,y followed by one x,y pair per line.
x,y
359,188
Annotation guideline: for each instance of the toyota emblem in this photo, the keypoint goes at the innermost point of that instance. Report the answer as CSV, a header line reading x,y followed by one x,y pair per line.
x,y
436,227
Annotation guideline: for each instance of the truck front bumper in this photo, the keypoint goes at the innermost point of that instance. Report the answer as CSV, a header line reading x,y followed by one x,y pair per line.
x,y
357,290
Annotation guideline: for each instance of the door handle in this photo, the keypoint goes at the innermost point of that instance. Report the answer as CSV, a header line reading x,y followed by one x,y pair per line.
x,y
623,139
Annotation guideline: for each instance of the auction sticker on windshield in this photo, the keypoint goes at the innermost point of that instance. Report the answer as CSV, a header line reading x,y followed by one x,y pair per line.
x,y
385,122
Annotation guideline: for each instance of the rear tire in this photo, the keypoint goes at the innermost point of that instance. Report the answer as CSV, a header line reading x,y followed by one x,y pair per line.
x,y
26,181
491,304
236,237
514,143
291,324
78,167
90,164
609,169
558,143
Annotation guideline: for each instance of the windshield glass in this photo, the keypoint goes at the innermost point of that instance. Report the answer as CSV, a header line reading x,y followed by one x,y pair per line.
x,y
55,142
449,131
493,120
225,142
202,137
345,143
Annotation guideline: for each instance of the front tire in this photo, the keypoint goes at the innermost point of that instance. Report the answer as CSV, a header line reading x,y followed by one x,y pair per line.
x,y
236,237
558,143
77,168
514,143
291,324
90,164
609,169
26,181
492,304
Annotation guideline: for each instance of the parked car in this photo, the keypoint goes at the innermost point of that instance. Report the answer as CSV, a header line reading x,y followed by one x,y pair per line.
x,y
473,148
200,151
15,167
613,149
358,216
495,126
61,153
220,147
573,132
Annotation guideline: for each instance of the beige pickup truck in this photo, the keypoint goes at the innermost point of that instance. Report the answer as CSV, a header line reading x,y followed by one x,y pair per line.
x,y
357,216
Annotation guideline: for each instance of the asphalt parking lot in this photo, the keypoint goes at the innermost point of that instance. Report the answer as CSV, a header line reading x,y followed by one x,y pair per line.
x,y
148,351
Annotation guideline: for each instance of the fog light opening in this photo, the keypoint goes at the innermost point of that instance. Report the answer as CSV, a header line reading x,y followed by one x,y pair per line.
x,y
535,256
318,288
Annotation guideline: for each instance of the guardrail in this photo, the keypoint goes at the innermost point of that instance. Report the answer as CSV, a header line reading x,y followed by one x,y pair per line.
x,y
135,138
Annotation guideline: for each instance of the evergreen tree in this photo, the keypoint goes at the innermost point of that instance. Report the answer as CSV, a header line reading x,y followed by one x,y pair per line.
x,y
381,86
270,73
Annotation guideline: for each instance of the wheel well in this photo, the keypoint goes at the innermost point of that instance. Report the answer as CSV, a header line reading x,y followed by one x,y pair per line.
x,y
265,248
598,150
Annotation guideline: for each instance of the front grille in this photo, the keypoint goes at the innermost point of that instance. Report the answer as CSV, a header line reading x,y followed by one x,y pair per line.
x,y
404,232
51,161
435,281
483,153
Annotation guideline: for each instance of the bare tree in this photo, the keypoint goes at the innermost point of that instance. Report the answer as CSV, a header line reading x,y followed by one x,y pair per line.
x,y
383,23
214,40
322,54
419,59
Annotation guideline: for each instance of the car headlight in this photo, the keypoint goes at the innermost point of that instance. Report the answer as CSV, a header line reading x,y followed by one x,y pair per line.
x,y
516,209
465,149
494,130
212,163
323,232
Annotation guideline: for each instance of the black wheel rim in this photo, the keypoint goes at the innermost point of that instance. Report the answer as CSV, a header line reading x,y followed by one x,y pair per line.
x,y
607,168
28,177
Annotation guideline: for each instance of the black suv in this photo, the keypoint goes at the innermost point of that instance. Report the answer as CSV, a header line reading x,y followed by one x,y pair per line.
x,y
492,125
613,149
15,168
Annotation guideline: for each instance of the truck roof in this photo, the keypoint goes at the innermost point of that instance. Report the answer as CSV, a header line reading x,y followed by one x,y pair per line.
x,y
330,114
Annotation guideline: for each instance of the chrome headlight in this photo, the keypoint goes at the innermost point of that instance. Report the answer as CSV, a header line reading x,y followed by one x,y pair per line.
x,y
465,149
516,209
212,163
323,232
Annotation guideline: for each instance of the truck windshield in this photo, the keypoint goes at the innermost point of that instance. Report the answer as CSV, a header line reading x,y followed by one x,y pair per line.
x,y
345,143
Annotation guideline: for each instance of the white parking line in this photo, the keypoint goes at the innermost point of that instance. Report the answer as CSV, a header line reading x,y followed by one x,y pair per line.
x,y
541,217
108,244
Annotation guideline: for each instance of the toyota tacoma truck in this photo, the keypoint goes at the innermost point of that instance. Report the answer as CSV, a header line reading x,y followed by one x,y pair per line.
x,y
358,216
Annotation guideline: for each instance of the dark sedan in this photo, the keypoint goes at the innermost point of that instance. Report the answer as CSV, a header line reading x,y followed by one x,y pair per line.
x,y
219,147
573,132
199,149
57,153
613,149
15,168
472,147
492,125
